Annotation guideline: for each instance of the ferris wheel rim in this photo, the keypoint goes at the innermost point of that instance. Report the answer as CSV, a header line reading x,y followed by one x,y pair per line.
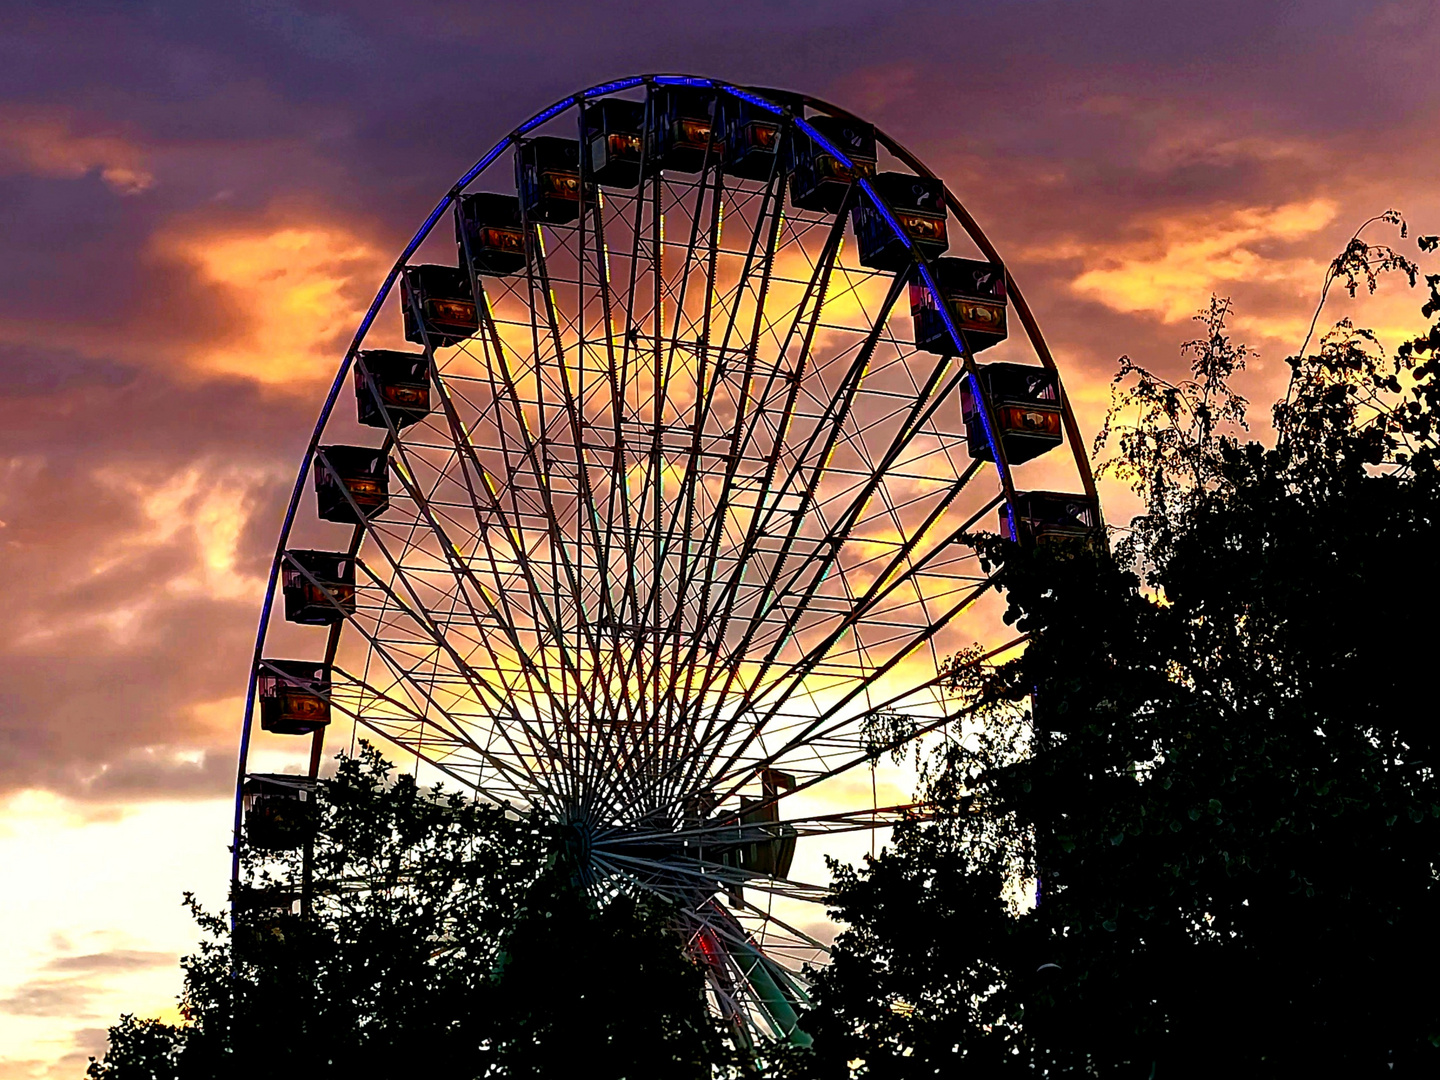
x,y
971,226
755,95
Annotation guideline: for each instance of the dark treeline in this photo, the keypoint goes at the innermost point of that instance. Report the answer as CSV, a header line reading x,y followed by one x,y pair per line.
x,y
1213,767
443,935
1227,798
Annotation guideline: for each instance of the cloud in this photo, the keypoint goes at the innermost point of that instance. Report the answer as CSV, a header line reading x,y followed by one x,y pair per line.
x,y
162,355
291,295
50,997
67,1064
47,144
67,985
1176,262
131,599
114,960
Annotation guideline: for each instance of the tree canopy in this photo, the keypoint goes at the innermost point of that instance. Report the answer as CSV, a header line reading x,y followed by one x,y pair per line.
x,y
444,934
1225,800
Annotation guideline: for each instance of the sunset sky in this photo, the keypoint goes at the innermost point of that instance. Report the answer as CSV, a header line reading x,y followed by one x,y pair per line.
x,y
197,202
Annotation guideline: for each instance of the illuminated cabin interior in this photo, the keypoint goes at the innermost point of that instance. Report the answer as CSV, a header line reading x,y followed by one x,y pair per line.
x,y
614,142
279,815
438,305
683,130
293,696
1025,404
918,206
351,483
547,175
319,586
401,387
974,294
818,181
488,231
1047,516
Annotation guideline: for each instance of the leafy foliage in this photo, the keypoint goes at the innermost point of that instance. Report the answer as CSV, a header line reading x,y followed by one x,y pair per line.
x,y
444,934
1227,790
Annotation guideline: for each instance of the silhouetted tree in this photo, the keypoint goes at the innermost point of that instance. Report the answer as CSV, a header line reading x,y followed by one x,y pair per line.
x,y
445,935
1226,797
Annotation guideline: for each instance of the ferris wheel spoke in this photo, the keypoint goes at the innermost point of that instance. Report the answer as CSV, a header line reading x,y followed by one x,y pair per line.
x,y
823,435
502,698
419,612
584,520
562,578
814,296
547,617
684,506
618,508
711,539
515,528
881,589
506,390
886,580
471,775
454,732
717,875
765,225
831,544
858,687
731,830
769,919
749,969
487,512
620,396
463,574
813,735
718,730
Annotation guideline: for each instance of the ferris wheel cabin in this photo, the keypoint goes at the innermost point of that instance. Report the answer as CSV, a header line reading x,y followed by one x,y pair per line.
x,y
401,387
438,305
1047,516
294,696
614,142
683,128
352,483
319,586
917,204
1025,405
817,179
279,811
489,233
547,174
764,844
267,913
973,292
753,137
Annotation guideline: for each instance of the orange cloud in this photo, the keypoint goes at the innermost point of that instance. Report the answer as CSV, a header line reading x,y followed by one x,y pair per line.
x,y
1181,260
297,293
47,146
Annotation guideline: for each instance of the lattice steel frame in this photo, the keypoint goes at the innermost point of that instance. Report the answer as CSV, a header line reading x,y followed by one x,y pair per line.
x,y
640,559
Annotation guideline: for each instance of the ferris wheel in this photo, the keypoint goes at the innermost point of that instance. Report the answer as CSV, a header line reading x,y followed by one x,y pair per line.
x,y
654,496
